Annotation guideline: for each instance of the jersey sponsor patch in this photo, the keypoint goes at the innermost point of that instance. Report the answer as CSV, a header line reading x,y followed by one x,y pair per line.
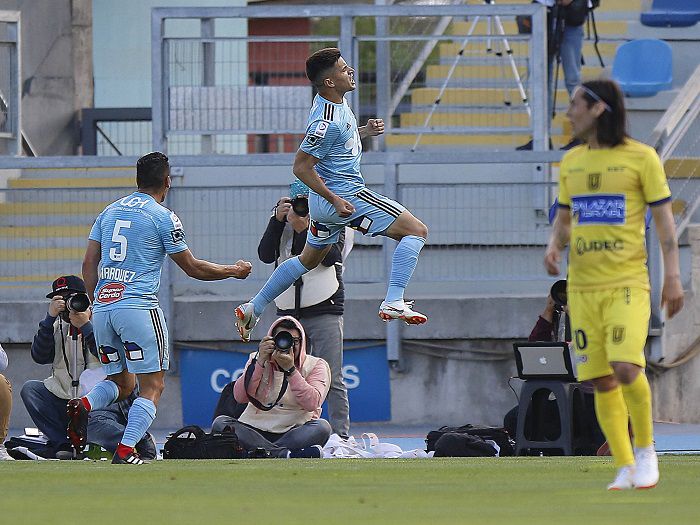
x,y
178,235
599,209
321,129
362,224
133,351
108,355
110,293
311,140
177,224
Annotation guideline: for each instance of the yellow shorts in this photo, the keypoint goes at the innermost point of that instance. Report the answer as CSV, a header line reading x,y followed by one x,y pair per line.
x,y
608,325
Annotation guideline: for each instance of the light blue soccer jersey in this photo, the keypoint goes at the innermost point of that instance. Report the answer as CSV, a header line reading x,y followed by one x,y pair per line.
x,y
135,234
332,137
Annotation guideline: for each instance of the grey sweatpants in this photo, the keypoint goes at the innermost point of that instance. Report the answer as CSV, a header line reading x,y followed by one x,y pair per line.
x,y
325,334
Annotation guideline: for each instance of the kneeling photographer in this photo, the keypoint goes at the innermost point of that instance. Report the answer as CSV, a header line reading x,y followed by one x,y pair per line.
x,y
284,388
65,340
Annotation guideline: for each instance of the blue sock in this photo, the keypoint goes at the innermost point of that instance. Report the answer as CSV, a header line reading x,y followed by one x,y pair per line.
x,y
402,265
282,278
103,394
141,415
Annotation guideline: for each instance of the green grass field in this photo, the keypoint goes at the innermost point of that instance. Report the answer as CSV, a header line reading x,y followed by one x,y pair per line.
x,y
538,491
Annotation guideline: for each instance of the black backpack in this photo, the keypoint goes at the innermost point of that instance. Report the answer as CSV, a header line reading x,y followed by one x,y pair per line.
x,y
496,434
458,445
192,442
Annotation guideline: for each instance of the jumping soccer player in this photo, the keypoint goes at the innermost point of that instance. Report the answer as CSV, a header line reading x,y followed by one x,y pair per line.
x,y
128,244
328,162
605,186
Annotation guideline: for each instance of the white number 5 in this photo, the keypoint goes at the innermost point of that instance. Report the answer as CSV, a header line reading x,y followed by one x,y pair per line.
x,y
119,253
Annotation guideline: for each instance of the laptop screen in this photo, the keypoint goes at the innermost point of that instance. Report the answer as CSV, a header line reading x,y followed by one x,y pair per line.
x,y
543,360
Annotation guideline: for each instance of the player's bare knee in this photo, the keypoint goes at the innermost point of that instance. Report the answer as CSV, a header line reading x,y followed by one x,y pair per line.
x,y
605,383
626,373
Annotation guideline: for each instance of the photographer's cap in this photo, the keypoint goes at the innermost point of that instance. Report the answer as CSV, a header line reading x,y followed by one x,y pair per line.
x,y
298,188
67,283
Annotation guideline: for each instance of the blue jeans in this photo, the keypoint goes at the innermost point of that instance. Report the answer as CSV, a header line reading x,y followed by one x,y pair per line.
x,y
570,53
314,432
105,427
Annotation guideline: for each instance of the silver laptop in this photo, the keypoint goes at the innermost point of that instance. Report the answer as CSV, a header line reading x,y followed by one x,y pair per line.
x,y
543,360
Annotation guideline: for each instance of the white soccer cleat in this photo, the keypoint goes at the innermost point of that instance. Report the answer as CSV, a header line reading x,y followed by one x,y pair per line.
x,y
401,310
4,455
624,479
245,320
646,475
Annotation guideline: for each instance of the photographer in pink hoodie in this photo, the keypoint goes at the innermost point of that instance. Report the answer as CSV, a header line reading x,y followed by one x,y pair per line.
x,y
284,388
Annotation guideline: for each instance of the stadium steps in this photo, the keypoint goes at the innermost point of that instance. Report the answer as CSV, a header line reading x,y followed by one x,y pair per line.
x,y
482,91
45,218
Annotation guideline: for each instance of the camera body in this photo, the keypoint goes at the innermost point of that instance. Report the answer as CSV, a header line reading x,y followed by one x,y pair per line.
x,y
283,341
558,293
77,302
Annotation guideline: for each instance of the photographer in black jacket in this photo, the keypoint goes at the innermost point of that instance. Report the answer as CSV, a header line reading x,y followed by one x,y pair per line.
x,y
317,299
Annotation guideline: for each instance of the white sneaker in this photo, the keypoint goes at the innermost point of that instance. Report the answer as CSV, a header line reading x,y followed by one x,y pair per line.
x,y
245,320
624,478
401,310
646,475
4,456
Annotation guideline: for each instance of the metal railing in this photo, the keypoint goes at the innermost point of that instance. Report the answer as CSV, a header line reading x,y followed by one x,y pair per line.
x,y
474,87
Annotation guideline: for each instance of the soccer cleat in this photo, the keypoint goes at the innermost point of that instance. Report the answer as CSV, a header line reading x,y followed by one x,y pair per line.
x,y
132,458
624,479
401,310
646,475
314,451
245,320
77,424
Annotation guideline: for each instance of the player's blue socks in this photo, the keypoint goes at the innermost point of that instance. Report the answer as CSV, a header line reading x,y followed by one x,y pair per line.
x,y
102,394
282,278
402,265
141,415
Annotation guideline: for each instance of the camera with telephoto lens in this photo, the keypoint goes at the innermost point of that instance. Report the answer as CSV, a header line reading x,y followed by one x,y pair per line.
x,y
283,341
558,293
300,205
77,302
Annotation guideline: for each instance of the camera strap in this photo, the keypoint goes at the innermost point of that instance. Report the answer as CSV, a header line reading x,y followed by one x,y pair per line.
x,y
246,382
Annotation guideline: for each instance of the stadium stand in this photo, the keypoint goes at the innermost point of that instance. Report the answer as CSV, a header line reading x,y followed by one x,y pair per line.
x,y
672,13
643,67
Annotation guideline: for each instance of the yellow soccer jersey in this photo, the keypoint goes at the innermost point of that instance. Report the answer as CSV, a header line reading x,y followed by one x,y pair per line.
x,y
607,192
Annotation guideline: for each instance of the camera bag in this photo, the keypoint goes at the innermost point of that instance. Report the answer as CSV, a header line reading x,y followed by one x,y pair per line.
x,y
495,434
192,442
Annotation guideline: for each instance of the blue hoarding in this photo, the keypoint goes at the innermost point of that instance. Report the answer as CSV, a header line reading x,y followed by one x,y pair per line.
x,y
204,373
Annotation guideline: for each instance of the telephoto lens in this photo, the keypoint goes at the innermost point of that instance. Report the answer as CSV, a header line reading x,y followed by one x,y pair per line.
x,y
77,302
300,205
283,341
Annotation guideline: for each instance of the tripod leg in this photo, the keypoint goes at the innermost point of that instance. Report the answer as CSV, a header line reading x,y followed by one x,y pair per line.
x,y
513,66
456,60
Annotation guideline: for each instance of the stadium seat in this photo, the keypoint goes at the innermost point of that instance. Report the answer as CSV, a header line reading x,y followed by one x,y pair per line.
x,y
672,13
643,67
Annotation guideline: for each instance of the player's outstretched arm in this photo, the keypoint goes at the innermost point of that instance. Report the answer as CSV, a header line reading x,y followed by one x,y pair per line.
x,y
672,293
374,127
557,241
209,271
304,170
91,262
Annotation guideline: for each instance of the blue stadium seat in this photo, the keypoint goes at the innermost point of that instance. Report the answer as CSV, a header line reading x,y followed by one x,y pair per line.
x,y
643,67
672,13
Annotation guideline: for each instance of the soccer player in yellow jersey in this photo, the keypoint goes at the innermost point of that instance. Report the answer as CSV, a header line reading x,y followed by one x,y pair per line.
x,y
605,186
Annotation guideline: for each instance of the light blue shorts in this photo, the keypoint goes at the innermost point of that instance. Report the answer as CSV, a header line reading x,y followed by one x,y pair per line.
x,y
133,339
374,213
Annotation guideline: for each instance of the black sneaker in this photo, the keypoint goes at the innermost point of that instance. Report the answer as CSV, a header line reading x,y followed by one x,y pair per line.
x,y
258,453
147,448
132,458
314,451
77,424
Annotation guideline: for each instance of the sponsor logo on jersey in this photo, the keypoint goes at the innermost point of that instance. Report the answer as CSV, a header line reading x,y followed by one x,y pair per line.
x,y
117,274
178,235
133,202
596,245
618,334
311,140
177,224
321,129
110,293
599,209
